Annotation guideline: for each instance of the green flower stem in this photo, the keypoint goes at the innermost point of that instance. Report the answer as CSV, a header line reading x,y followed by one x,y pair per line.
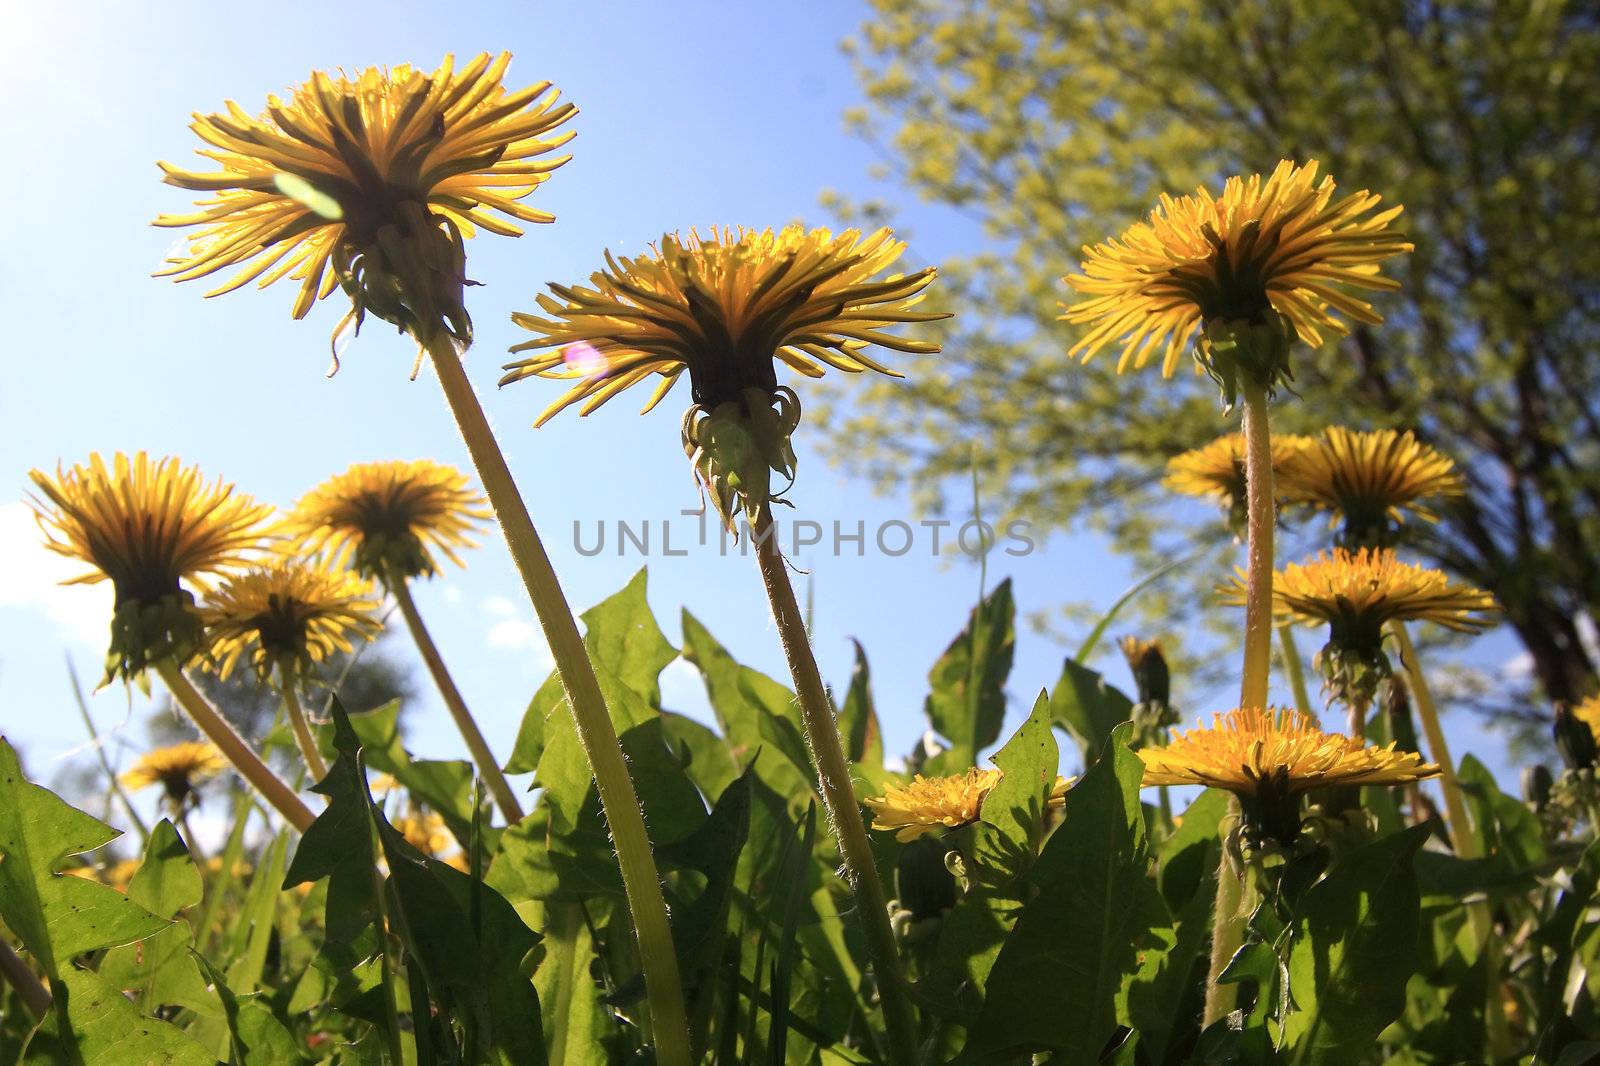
x,y
1356,722
505,797
233,747
1227,927
287,677
1462,837
598,736
844,809
1293,666
33,992
1258,561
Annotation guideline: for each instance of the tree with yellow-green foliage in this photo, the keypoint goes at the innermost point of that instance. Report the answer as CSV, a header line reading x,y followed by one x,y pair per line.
x,y
1053,123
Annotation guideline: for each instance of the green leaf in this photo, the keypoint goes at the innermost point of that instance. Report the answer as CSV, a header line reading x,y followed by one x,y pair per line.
x,y
621,635
1506,827
257,1035
1004,844
1087,708
575,1017
107,1030
1165,997
1355,944
163,969
443,784
858,719
1055,983
338,845
756,714
252,936
703,754
57,917
474,948
967,700
672,806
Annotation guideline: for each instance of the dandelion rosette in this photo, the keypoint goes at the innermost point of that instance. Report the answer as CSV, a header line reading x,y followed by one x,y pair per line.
x,y
927,804
727,308
1269,758
289,613
1368,481
387,519
1216,471
1262,265
148,526
1357,593
371,182
177,768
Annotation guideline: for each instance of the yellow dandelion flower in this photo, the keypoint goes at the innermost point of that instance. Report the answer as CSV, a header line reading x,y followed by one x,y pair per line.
x,y
289,611
370,182
1367,480
1357,592
927,804
177,768
426,832
147,527
727,308
389,518
1241,749
1588,712
1215,471
1278,250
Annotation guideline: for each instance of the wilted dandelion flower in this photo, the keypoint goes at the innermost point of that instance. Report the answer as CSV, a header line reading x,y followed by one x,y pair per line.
x,y
927,804
388,518
177,768
727,308
1368,481
371,182
289,612
1268,758
1216,471
1261,265
1356,594
147,527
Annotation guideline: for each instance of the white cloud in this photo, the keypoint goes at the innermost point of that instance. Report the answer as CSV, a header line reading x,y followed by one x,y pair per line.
x,y
513,629
1518,667
32,581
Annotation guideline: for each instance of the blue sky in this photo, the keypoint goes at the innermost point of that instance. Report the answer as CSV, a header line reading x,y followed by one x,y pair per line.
x,y
692,113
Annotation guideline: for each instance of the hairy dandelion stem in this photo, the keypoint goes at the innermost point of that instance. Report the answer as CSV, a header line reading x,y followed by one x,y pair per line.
x,y
234,749
33,992
596,734
287,678
1227,927
1295,669
1258,559
1462,837
505,797
844,809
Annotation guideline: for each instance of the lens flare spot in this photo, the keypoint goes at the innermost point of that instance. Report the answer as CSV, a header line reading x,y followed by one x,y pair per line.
x,y
583,359
302,191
